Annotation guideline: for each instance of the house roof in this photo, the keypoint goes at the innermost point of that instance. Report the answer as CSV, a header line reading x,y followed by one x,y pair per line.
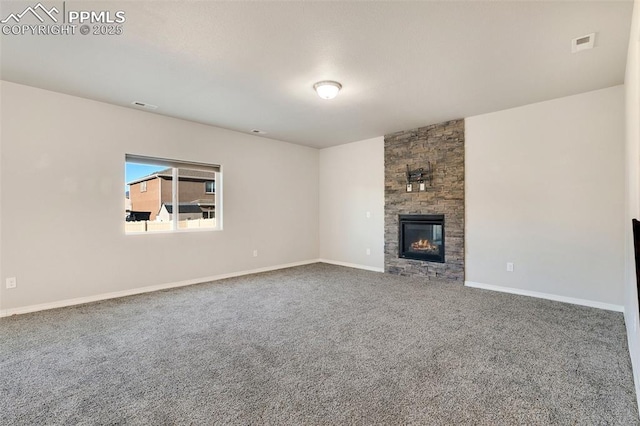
x,y
183,208
183,173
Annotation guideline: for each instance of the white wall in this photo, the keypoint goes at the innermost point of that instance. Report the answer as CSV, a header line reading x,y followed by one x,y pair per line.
x,y
62,176
352,184
632,210
544,190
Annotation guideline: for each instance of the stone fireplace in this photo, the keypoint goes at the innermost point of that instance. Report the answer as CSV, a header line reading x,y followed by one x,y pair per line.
x,y
415,231
421,237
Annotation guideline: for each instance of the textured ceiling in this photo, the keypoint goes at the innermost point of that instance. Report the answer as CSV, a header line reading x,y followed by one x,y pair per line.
x,y
252,65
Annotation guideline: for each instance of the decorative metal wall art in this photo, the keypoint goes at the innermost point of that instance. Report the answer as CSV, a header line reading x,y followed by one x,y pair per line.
x,y
418,179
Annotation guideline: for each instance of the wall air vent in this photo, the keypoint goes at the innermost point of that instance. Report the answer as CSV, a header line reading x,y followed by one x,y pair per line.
x,y
583,43
143,105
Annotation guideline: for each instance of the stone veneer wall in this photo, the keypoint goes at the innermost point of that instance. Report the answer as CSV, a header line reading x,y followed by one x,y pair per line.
x,y
443,145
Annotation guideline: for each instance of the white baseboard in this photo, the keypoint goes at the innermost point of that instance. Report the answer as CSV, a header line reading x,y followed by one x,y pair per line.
x,y
352,265
140,290
555,297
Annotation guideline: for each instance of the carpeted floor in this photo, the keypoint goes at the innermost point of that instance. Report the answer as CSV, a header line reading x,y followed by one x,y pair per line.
x,y
318,344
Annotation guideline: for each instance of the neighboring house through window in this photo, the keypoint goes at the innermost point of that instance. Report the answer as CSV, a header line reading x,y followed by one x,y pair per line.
x,y
163,184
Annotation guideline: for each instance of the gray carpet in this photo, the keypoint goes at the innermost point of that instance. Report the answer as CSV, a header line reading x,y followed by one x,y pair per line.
x,y
318,344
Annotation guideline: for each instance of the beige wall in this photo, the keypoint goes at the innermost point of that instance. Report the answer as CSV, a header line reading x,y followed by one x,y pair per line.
x,y
556,166
81,145
632,98
544,190
352,184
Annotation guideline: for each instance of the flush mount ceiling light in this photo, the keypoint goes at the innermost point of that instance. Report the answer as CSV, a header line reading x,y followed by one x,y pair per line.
x,y
327,89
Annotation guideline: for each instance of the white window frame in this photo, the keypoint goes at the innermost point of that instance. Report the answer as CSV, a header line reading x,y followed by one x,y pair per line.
x,y
214,187
143,186
175,165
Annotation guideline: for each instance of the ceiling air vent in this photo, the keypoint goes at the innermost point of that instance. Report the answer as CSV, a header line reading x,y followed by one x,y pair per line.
x,y
583,43
143,105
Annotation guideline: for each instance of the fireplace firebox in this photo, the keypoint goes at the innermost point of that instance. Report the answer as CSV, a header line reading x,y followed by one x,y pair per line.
x,y
421,237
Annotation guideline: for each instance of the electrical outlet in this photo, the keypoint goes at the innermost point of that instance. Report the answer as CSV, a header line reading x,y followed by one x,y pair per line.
x,y
11,282
509,267
368,252
255,253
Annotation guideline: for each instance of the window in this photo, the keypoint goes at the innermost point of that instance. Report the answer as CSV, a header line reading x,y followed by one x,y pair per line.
x,y
171,196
